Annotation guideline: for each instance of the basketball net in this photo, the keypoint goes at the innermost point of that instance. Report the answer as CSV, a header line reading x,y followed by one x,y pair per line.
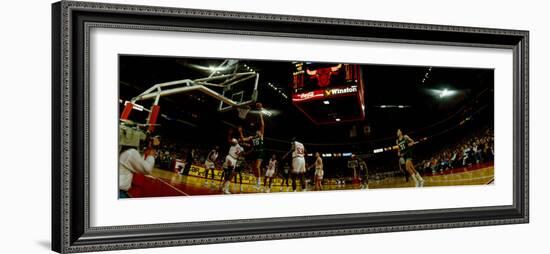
x,y
243,111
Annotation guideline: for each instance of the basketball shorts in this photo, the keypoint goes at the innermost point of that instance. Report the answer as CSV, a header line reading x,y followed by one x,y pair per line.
x,y
258,155
298,165
402,161
230,161
209,165
319,174
269,173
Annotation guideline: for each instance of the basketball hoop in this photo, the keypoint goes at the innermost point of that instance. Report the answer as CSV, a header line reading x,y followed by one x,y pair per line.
x,y
243,111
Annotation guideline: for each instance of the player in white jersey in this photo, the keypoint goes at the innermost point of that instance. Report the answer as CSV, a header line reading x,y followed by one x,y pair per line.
x,y
230,163
270,172
319,172
298,163
210,164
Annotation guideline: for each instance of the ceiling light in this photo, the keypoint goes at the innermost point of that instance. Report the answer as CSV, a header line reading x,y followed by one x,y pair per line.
x,y
266,112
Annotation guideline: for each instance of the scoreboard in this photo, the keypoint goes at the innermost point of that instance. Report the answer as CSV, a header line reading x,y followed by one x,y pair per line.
x,y
329,93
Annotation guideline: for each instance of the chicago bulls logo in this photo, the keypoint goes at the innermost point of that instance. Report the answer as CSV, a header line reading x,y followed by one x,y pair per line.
x,y
323,75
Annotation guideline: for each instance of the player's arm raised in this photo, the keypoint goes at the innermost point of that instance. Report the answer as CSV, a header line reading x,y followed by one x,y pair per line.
x,y
262,124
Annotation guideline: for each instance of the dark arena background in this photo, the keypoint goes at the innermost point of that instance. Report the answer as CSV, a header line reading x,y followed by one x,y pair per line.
x,y
347,113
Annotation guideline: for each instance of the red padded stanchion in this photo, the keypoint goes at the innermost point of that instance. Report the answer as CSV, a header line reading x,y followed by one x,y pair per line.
x,y
155,109
126,112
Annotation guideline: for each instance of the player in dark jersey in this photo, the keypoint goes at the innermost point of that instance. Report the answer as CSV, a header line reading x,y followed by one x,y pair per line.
x,y
404,149
241,164
285,175
258,146
364,173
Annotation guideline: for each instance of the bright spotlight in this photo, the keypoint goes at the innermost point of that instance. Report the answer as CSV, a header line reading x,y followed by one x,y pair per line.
x,y
338,119
446,93
326,102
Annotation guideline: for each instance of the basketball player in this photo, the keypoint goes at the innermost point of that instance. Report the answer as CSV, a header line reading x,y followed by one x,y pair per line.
x,y
270,172
258,145
353,163
241,163
285,175
239,170
298,164
364,173
210,164
230,163
318,172
404,149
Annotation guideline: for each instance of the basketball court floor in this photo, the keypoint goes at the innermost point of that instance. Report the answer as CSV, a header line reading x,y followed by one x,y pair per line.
x,y
165,183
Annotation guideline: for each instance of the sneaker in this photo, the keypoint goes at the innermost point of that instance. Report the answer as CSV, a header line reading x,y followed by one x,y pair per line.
x,y
281,189
226,191
268,190
241,188
421,183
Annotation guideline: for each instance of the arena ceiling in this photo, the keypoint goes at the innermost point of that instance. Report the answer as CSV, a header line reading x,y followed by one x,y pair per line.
x,y
418,99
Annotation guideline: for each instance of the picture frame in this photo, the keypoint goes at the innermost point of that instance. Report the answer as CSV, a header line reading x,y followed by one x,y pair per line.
x,y
71,229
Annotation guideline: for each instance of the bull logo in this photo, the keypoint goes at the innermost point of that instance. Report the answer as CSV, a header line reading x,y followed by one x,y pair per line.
x,y
323,75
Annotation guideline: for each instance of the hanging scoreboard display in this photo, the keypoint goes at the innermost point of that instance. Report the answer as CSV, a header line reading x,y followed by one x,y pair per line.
x,y
329,93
